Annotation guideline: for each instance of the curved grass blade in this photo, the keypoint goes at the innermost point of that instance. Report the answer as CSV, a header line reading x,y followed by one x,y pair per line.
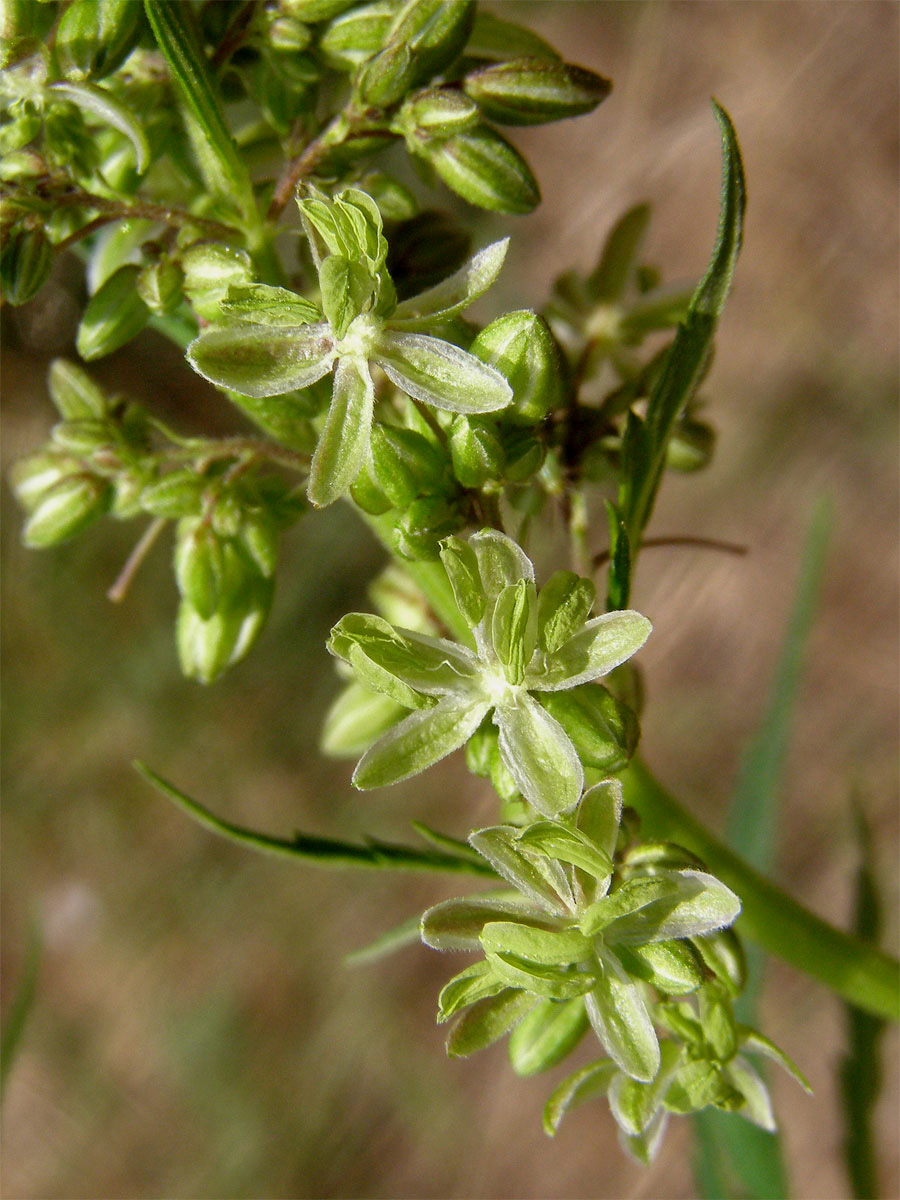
x,y
218,157
644,447
317,851
395,938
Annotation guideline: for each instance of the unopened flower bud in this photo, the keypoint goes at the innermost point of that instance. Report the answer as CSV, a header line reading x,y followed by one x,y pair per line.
x,y
528,91
25,265
159,285
521,346
114,315
66,509
477,451
482,167
94,37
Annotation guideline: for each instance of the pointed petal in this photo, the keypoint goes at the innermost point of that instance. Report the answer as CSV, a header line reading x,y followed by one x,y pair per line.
x,y
425,737
341,452
441,374
257,361
539,756
618,1013
602,644
453,294
430,665
758,1107
688,902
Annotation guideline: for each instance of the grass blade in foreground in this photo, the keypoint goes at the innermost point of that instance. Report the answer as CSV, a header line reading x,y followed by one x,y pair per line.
x,y
317,851
734,1154
644,447
860,1071
20,1009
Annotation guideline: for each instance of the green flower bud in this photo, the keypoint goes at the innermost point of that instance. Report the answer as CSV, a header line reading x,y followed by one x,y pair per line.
x,y
346,289
691,446
313,11
524,455
94,37
521,346
82,437
23,24
126,501
604,732
287,35
404,464
424,524
65,509
355,36
368,495
424,37
76,396
32,477
528,91
206,648
25,126
200,567
210,269
259,540
483,168
356,719
114,315
159,285
394,199
436,112
25,265
476,450
723,954
178,494
21,166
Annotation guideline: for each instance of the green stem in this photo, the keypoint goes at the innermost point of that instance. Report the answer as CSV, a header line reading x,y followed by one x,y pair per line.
x,y
864,976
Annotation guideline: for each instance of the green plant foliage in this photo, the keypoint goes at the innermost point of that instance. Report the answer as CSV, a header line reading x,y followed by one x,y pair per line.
x,y
221,172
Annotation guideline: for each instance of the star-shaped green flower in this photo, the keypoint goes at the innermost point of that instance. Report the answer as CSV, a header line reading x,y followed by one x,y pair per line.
x,y
277,341
526,643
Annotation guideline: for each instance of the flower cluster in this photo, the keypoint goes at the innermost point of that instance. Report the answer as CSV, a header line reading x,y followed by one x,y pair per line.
x,y
594,923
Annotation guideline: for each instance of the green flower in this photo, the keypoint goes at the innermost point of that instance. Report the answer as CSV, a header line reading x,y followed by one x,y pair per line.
x,y
575,931
277,341
526,643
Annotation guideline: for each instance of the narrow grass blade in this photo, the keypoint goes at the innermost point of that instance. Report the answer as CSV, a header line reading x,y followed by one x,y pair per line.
x,y
218,157
21,1006
317,851
860,1074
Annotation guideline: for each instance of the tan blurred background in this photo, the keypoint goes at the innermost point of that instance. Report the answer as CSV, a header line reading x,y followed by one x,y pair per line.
x,y
195,1033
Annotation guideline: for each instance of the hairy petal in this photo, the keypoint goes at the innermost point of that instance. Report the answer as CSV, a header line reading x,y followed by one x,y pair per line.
x,y
440,374
425,737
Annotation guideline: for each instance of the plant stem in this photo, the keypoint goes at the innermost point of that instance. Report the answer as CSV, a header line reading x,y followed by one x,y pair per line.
x,y
698,543
862,975
117,210
145,544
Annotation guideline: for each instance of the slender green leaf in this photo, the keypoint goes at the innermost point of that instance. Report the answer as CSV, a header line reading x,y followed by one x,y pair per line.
x,y
223,166
21,1006
317,851
454,294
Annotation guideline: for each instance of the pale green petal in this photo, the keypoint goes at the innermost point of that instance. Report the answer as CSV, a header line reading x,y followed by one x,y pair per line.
x,y
434,666
618,1013
694,903
758,1107
341,452
602,645
439,373
453,294
539,756
457,924
425,737
259,361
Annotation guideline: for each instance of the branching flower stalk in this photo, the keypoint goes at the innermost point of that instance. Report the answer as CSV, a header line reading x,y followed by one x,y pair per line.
x,y
221,179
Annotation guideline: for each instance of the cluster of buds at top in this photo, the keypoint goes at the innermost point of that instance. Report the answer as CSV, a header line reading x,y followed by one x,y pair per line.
x,y
595,925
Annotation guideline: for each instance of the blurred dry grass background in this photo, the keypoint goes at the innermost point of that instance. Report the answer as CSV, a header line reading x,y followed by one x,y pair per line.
x,y
195,1033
